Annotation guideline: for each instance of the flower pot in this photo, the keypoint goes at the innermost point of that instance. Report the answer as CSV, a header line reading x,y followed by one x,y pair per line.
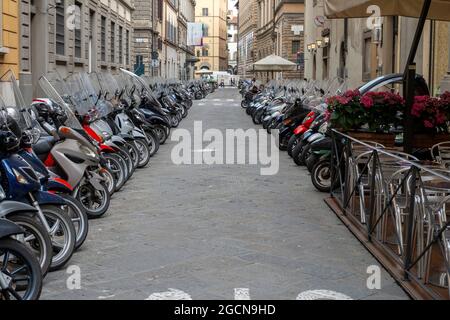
x,y
426,141
386,139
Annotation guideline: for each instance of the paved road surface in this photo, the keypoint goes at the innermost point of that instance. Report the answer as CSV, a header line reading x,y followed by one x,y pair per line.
x,y
206,230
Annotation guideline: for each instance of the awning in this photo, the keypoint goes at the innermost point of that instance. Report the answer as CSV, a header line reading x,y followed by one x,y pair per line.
x,y
334,9
273,63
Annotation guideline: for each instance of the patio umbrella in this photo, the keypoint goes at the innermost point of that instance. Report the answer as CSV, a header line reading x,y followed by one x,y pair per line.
x,y
204,71
422,9
439,9
273,63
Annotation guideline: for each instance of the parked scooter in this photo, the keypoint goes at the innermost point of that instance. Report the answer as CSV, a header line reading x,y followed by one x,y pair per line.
x,y
71,154
21,113
21,183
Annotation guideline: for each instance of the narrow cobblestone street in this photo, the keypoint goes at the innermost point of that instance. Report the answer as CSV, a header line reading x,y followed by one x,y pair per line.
x,y
206,230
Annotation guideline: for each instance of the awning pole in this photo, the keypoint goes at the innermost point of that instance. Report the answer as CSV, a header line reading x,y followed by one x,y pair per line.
x,y
409,77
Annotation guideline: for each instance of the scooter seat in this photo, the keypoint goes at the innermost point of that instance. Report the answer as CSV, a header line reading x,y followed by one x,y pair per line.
x,y
43,147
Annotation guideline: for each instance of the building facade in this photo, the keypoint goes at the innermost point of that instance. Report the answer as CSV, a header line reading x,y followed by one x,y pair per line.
x,y
358,51
213,55
247,26
9,36
70,36
186,14
145,24
269,27
289,20
232,41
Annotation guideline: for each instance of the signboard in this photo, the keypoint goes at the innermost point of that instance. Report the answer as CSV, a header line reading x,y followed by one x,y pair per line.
x,y
297,29
194,34
319,21
155,63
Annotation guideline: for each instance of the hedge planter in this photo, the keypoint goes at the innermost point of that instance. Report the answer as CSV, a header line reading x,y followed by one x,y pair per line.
x,y
426,141
386,139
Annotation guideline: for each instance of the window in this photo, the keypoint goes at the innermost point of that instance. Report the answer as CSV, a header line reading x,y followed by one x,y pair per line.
x,y
198,53
205,52
205,30
127,47
113,41
326,72
78,28
103,39
205,12
295,46
160,10
120,45
60,28
367,56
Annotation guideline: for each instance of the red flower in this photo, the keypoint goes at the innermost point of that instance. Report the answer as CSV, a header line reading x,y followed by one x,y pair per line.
x,y
367,102
428,124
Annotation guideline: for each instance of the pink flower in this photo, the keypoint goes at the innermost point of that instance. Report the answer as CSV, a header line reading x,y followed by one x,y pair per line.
x,y
440,118
367,102
428,124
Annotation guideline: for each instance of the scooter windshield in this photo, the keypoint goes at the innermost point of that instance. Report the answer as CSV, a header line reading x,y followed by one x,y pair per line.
x,y
84,101
143,88
52,93
95,94
126,84
14,101
106,84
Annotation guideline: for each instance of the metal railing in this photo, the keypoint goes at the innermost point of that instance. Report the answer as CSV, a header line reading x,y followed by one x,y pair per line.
x,y
400,207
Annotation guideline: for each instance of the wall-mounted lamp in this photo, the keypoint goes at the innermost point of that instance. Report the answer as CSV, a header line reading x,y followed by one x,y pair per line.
x,y
377,34
312,47
319,43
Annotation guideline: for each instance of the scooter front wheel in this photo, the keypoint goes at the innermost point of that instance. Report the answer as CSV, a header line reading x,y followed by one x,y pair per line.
x,y
62,233
153,142
79,218
95,201
321,176
117,168
161,133
26,276
36,238
143,151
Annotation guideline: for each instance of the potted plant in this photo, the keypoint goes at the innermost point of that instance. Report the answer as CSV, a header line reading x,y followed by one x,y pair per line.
x,y
368,117
431,117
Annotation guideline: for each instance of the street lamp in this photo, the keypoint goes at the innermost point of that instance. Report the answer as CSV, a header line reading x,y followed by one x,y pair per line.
x,y
319,43
326,41
312,47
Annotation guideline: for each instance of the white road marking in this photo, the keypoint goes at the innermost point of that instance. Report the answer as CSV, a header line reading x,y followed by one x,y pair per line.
x,y
322,295
242,294
201,104
204,151
106,297
172,294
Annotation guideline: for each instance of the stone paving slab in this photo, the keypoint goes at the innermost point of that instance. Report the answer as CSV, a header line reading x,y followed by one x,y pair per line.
x,y
207,230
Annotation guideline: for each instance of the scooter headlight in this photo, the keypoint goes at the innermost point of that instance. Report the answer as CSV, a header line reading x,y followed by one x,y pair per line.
x,y
106,135
19,177
88,152
40,175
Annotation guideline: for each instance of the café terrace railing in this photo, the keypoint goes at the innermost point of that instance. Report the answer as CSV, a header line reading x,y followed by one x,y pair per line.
x,y
399,208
